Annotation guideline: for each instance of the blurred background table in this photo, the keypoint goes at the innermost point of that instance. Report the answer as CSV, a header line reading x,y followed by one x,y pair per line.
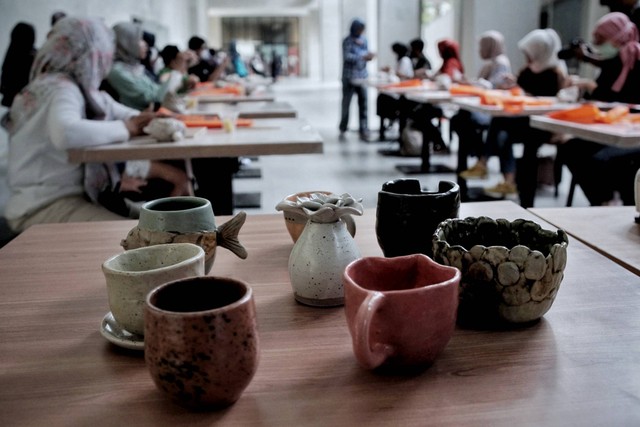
x,y
264,137
579,365
610,230
251,110
610,134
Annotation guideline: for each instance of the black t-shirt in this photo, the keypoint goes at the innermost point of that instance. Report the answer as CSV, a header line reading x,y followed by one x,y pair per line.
x,y
420,61
609,72
203,70
545,83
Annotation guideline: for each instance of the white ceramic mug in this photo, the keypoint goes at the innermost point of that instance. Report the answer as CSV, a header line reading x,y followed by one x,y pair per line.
x,y
132,274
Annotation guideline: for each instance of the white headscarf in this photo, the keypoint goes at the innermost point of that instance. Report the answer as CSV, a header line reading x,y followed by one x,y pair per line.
x,y
542,47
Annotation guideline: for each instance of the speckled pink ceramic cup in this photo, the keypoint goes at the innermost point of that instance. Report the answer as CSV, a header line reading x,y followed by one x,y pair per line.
x,y
401,311
201,340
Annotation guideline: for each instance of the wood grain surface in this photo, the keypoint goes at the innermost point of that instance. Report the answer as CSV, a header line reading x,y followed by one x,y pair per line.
x,y
610,230
580,365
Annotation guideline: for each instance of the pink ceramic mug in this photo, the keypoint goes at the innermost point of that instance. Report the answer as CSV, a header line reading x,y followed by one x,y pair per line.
x,y
401,311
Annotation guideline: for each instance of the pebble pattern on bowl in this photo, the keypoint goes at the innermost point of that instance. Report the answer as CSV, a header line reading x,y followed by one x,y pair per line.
x,y
511,270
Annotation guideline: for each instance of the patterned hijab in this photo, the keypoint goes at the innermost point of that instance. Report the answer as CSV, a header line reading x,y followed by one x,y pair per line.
x,y
618,29
128,36
78,50
541,48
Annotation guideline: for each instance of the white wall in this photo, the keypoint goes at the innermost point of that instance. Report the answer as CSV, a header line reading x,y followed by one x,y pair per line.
x,y
38,12
514,19
399,21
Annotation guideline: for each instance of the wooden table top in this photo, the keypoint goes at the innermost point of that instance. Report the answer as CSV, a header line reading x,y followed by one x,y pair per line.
x,y
615,134
264,137
610,230
580,365
473,104
252,110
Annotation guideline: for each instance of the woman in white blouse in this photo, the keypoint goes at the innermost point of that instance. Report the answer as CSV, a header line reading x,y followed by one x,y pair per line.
x,y
62,108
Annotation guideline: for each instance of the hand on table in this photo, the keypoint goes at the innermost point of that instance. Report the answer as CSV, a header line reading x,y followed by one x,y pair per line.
x,y
135,124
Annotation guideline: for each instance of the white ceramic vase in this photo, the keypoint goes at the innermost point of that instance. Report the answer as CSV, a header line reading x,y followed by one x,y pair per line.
x,y
317,262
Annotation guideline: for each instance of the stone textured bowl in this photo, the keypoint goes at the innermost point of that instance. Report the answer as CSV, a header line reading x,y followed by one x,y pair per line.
x,y
511,270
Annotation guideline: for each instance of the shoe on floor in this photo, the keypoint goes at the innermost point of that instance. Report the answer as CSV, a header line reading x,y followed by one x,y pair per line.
x,y
478,171
504,189
365,136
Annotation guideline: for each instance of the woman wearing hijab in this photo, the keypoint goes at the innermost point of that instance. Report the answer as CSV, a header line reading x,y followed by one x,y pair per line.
x,y
543,75
449,51
601,170
128,77
62,108
17,62
470,126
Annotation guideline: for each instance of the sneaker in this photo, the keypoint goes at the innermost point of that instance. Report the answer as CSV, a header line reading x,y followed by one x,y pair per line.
x,y
478,171
504,189
364,136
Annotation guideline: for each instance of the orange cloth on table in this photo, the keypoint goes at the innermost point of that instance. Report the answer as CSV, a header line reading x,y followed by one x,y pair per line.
x,y
211,121
466,90
209,89
590,113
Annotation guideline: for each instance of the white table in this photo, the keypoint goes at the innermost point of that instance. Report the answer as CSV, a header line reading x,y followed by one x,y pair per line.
x,y
621,135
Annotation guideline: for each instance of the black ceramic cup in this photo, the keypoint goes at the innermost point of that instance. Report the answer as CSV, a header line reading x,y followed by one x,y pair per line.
x,y
407,215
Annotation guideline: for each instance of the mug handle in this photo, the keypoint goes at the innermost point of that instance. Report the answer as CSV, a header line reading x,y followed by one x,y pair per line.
x,y
350,223
369,357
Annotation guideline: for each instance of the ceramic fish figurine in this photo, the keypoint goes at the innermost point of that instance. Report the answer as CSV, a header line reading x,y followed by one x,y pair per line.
x,y
225,236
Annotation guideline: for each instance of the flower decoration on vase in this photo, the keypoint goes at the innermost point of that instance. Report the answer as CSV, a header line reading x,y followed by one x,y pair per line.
x,y
324,248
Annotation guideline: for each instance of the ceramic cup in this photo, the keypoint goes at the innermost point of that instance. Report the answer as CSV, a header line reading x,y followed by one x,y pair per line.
x,y
130,276
185,219
401,311
201,340
407,216
511,270
296,222
178,214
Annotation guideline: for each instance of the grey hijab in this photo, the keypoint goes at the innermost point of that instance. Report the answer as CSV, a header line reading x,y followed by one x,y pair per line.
x,y
128,36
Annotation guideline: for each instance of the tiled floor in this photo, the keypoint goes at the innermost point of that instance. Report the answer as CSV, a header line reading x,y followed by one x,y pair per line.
x,y
345,166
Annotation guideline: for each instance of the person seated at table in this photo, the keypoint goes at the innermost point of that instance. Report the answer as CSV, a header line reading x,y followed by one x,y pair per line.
x,y
421,65
135,89
470,126
62,108
421,114
543,75
451,67
175,70
599,169
387,106
151,55
127,77
17,61
206,67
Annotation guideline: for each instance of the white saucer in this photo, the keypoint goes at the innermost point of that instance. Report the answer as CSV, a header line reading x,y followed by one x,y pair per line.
x,y
113,332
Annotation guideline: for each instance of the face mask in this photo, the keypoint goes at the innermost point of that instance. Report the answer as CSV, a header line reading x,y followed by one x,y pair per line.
x,y
607,51
205,55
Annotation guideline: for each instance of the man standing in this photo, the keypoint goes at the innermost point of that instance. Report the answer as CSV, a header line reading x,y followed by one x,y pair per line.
x,y
355,55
